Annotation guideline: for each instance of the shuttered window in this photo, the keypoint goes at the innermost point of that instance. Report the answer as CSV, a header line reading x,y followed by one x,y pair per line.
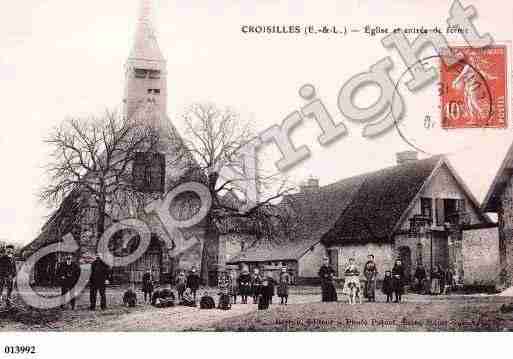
x,y
426,208
149,171
461,206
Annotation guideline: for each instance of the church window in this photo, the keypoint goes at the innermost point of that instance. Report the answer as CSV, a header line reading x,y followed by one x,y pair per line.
x,y
148,172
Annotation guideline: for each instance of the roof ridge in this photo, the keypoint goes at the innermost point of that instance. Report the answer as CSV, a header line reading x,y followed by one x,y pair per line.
x,y
366,174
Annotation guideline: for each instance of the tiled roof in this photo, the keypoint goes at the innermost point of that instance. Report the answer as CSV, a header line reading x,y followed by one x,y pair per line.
x,y
362,208
380,203
315,213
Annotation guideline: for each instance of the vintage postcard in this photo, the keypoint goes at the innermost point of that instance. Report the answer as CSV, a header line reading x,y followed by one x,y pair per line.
x,y
255,166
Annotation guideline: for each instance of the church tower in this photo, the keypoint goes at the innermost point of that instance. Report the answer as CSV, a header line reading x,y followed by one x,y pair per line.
x,y
145,70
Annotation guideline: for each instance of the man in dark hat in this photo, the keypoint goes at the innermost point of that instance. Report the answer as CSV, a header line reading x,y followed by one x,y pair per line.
x,y
99,277
67,276
193,282
7,272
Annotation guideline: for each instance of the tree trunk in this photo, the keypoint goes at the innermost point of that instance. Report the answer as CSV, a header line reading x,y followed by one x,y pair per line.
x,y
100,221
210,253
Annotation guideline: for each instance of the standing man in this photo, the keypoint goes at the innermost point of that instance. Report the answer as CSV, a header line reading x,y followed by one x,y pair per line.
x,y
327,277
7,273
67,276
193,282
99,278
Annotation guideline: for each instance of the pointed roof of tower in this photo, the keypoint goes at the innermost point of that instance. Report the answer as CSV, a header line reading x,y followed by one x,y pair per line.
x,y
146,47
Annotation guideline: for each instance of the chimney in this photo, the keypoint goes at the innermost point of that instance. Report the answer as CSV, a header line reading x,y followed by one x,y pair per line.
x,y
311,185
406,157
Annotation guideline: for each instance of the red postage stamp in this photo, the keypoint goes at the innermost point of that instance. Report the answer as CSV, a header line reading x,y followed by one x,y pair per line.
x,y
473,90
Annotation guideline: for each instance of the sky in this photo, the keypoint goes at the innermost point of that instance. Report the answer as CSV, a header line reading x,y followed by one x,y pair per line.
x,y
64,59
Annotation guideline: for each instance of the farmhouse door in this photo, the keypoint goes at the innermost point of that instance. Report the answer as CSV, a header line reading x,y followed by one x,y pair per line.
x,y
333,259
405,255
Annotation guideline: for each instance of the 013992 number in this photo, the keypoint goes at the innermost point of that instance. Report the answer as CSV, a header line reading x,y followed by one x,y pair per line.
x,y
20,349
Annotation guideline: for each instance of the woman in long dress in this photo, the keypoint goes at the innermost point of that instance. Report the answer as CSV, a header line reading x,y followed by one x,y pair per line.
x,y
283,286
370,272
351,275
327,277
398,280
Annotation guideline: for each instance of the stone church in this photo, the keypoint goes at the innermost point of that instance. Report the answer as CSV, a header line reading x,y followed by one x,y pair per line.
x,y
145,96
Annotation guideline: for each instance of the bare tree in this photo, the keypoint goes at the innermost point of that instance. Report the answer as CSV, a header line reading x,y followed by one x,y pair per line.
x,y
215,138
90,171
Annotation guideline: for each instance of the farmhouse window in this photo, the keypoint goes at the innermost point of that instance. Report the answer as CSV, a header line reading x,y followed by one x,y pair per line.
x,y
426,207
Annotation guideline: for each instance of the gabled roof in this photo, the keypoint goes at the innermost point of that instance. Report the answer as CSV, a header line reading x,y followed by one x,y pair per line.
x,y
504,174
315,212
381,202
366,208
385,198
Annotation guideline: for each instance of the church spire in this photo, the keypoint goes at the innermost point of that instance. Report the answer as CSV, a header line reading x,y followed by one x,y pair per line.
x,y
146,76
146,46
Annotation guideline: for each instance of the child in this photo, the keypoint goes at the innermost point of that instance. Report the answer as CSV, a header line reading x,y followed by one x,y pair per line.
x,y
388,286
181,281
264,298
147,286
224,290
207,302
129,298
163,298
188,298
244,282
283,286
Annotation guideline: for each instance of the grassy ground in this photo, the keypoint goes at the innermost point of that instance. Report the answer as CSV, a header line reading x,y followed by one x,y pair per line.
x,y
304,313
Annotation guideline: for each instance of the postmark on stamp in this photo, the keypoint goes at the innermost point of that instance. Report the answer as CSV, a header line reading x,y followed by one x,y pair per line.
x,y
473,90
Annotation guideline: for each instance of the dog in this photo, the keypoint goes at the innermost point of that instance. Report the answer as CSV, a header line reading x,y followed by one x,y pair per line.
x,y
355,293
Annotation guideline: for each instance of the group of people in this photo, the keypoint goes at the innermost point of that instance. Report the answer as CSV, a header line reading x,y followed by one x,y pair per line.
x,y
261,288
393,282
186,287
440,281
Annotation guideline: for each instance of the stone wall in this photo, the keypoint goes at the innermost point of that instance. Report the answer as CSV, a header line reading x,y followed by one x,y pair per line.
x,y
480,248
